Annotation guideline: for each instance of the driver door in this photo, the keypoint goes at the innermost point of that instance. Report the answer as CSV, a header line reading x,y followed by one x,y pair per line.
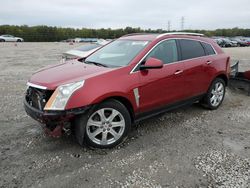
x,y
164,86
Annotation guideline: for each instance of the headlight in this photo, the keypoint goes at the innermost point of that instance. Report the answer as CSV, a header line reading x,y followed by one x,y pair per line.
x,y
61,96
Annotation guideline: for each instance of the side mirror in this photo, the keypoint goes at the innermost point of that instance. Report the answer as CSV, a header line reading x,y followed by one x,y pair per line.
x,y
152,63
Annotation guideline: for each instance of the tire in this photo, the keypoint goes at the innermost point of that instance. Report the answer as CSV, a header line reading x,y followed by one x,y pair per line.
x,y
19,40
105,126
2,40
215,95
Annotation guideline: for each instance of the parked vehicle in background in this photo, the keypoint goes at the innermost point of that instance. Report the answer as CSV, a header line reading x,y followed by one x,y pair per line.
x,y
86,39
240,42
219,41
10,38
69,40
83,51
247,40
229,43
80,52
132,78
223,42
233,42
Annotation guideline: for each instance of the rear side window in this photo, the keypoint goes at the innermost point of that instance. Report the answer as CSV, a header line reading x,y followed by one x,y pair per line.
x,y
165,51
208,48
191,49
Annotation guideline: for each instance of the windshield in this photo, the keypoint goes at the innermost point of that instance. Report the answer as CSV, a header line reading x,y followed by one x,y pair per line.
x,y
118,53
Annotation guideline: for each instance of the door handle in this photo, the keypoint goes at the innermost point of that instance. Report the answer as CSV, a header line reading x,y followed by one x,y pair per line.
x,y
209,62
178,72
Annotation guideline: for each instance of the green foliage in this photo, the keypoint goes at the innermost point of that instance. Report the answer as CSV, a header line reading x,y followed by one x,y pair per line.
x,y
44,33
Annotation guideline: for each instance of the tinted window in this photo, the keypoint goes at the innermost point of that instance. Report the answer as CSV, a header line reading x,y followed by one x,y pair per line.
x,y
165,51
191,49
208,48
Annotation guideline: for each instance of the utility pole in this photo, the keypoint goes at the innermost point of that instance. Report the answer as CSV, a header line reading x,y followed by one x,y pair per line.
x,y
182,22
169,25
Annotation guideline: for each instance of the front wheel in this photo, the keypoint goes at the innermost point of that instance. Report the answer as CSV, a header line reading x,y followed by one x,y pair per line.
x,y
215,94
105,126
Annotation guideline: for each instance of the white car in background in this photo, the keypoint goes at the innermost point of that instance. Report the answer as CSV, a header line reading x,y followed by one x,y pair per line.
x,y
83,51
10,38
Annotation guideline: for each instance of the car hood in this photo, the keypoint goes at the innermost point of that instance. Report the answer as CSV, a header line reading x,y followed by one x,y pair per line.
x,y
71,71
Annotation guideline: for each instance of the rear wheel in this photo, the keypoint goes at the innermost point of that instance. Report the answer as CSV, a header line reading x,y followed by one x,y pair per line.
x,y
2,40
19,40
105,126
215,94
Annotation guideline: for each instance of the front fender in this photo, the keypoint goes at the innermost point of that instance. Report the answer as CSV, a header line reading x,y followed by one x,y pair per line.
x,y
81,100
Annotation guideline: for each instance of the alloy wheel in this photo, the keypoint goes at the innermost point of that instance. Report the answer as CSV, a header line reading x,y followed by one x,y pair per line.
x,y
105,126
217,94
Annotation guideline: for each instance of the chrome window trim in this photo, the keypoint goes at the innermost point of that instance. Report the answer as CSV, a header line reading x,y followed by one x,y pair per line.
x,y
36,86
132,71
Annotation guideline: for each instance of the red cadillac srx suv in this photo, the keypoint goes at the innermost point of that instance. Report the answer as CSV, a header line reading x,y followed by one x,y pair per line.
x,y
132,78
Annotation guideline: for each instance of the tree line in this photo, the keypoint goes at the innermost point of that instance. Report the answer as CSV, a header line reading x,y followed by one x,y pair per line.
x,y
51,34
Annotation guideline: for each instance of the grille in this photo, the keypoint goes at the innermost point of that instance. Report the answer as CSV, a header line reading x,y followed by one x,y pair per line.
x,y
38,98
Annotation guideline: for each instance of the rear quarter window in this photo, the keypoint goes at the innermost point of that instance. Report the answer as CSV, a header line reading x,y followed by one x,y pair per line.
x,y
191,49
208,48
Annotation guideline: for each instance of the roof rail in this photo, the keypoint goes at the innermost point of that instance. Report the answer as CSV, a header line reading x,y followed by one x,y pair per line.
x,y
180,33
131,34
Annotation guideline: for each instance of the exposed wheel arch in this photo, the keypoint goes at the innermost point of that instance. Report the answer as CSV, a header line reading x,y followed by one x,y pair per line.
x,y
223,77
126,103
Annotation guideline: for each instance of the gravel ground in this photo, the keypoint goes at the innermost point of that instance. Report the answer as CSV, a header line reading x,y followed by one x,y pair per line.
x,y
188,147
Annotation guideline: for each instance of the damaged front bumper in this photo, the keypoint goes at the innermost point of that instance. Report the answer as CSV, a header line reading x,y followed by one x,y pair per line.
x,y
54,121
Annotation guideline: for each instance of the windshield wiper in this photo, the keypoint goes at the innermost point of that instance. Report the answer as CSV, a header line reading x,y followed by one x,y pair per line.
x,y
95,63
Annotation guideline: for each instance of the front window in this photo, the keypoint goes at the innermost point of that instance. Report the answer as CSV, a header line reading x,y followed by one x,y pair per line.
x,y
166,51
118,53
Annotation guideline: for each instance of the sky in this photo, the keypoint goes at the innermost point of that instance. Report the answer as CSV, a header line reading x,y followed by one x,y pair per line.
x,y
154,14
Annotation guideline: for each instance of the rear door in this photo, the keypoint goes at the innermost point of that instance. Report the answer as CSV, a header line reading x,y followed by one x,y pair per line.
x,y
212,60
160,87
194,57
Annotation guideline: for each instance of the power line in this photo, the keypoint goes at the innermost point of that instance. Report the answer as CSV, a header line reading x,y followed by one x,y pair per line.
x,y
182,22
169,25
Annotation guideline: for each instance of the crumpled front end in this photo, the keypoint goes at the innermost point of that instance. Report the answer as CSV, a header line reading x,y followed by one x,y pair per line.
x,y
55,122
